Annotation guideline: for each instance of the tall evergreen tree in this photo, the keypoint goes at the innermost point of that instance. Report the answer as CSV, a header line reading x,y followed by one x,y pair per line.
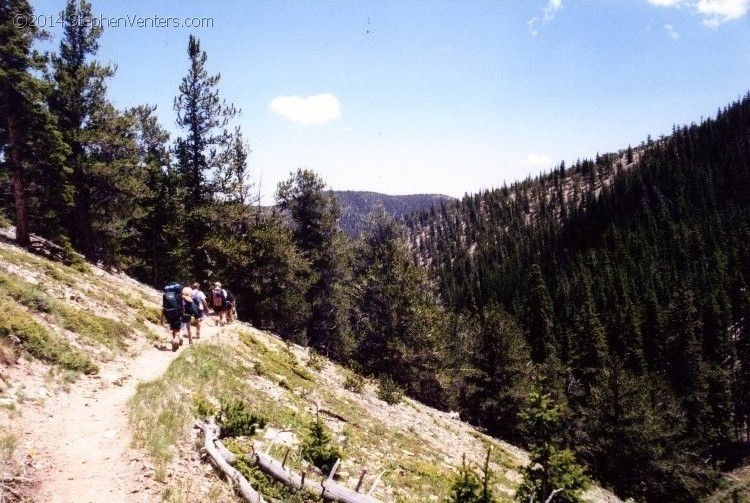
x,y
552,474
157,231
314,214
496,384
541,317
79,97
31,147
201,154
397,322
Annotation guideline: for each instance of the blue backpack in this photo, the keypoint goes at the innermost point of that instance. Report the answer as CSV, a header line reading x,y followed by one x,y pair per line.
x,y
172,301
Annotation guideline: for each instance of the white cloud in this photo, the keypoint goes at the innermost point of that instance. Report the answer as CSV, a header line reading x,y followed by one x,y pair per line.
x,y
714,12
318,109
551,9
718,12
531,22
536,161
671,31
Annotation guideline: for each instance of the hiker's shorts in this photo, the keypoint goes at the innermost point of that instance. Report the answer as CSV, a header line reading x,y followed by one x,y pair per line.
x,y
175,324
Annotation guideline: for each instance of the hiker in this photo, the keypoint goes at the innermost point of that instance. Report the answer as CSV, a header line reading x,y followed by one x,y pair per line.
x,y
189,311
173,311
199,302
231,313
219,302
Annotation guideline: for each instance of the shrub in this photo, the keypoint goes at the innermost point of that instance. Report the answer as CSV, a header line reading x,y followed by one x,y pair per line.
x,y
354,382
203,407
318,447
390,392
315,361
236,420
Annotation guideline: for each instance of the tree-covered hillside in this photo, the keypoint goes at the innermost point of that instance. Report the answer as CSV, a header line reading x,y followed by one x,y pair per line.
x,y
605,303
357,205
628,275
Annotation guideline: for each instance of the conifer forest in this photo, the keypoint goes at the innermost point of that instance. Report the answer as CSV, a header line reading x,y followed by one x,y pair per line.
x,y
612,291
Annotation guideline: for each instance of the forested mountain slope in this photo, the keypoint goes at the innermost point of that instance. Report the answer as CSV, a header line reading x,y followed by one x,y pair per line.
x,y
357,205
629,276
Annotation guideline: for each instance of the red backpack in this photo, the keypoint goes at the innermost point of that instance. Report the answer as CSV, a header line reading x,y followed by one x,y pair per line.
x,y
218,299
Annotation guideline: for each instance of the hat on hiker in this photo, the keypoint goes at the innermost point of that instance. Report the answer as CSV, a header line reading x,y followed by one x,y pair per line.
x,y
187,294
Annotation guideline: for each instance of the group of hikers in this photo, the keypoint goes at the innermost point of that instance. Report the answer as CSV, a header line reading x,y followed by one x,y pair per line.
x,y
183,307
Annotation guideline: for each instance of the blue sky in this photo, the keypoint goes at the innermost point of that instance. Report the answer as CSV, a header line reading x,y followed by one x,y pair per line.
x,y
436,96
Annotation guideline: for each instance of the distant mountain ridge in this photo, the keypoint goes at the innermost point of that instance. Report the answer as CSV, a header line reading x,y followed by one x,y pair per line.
x,y
356,205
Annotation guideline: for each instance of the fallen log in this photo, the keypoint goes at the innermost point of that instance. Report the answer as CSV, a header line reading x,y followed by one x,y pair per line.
x,y
210,436
328,489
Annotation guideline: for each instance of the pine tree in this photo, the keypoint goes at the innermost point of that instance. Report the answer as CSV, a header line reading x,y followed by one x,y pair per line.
x,y
78,99
31,148
551,470
314,214
396,320
202,153
496,382
541,317
157,231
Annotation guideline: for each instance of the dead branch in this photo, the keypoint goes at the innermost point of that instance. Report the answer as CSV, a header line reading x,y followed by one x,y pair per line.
x,y
211,434
328,489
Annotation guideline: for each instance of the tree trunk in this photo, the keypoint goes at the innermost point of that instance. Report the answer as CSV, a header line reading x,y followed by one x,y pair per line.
x,y
211,434
16,169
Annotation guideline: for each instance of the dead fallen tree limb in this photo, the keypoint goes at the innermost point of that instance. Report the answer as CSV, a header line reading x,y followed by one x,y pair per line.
x,y
211,435
328,489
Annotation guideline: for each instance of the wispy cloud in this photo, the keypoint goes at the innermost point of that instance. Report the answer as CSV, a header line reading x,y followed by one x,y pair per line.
x,y
551,9
718,12
532,26
666,3
318,109
671,31
536,161
549,12
714,12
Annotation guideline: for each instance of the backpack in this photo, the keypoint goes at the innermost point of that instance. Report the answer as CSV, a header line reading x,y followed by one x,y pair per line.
x,y
197,306
172,301
190,309
218,298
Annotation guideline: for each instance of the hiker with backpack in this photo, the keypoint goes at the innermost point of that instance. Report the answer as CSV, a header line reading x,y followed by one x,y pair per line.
x,y
199,302
231,312
219,302
173,311
190,311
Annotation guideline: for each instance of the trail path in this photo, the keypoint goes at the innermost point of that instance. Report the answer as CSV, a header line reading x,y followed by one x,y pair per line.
x,y
83,436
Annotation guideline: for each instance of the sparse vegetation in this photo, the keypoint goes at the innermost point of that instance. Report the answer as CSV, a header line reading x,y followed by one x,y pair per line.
x,y
390,392
314,360
39,341
318,446
354,382
237,420
8,444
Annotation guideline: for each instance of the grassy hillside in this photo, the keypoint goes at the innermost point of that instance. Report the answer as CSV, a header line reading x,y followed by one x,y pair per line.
x,y
75,320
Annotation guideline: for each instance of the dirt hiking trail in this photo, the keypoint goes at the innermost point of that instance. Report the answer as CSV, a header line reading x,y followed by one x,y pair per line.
x,y
82,438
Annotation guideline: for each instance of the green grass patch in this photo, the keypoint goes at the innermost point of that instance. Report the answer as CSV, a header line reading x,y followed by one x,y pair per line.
x,y
107,332
39,341
97,329
162,412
